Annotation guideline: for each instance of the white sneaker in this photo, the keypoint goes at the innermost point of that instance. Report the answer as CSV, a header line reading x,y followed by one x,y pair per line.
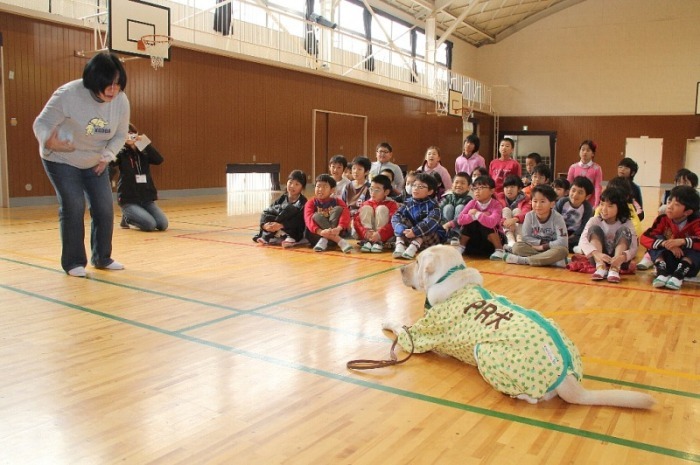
x,y
345,246
378,248
289,241
511,258
78,272
399,250
645,263
497,255
410,252
660,281
366,247
114,266
674,283
454,242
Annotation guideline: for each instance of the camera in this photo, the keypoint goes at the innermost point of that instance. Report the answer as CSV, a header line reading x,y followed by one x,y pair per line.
x,y
132,136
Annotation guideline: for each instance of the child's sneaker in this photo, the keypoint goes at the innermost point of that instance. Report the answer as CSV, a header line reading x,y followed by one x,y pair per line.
x,y
345,246
673,283
645,263
399,250
289,241
660,281
123,223
321,245
275,240
498,254
614,275
261,240
366,247
510,258
600,273
454,242
562,263
410,252
378,248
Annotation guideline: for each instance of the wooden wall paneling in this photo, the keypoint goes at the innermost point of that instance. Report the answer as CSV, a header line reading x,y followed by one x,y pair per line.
x,y
610,132
321,143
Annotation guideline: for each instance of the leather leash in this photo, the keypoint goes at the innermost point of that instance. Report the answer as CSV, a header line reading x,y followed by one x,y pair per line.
x,y
362,364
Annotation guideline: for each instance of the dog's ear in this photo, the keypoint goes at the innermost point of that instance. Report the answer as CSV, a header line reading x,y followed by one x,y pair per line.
x,y
426,268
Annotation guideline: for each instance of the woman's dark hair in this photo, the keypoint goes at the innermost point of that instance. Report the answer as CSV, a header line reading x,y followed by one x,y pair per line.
x,y
617,197
101,71
474,139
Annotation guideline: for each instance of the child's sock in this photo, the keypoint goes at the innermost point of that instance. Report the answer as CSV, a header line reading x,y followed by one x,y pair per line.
x,y
682,270
660,266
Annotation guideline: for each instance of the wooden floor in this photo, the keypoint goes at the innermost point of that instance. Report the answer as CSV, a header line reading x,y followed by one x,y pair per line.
x,y
210,348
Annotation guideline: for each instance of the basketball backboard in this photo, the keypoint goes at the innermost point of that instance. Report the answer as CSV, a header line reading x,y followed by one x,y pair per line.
x,y
130,20
454,103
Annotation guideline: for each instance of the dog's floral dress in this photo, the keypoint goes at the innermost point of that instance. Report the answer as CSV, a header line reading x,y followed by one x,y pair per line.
x,y
517,351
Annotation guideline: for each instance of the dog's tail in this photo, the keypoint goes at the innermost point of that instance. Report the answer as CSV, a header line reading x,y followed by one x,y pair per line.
x,y
573,392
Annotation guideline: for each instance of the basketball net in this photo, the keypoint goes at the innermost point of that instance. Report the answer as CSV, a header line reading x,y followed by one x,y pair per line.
x,y
156,46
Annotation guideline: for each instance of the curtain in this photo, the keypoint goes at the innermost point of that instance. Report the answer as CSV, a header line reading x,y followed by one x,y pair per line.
x,y
369,59
310,42
222,18
414,44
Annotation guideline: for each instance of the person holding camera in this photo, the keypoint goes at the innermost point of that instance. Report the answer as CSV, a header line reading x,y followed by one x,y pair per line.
x,y
136,192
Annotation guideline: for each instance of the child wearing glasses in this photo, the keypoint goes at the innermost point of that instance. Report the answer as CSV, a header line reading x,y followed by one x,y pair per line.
x,y
373,221
417,223
326,216
482,232
384,155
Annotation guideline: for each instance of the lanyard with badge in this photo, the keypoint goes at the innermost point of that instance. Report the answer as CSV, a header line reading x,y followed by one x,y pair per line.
x,y
140,178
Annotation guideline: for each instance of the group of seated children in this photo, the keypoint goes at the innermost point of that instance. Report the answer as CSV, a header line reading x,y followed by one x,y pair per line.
x,y
539,229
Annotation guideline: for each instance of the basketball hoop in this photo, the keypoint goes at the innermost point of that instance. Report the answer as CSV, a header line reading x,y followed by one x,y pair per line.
x,y
156,46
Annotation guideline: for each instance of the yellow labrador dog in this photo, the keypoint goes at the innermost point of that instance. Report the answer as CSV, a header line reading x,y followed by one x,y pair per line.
x,y
517,351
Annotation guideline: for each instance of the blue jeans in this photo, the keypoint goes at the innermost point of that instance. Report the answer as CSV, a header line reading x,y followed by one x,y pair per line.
x,y
147,216
72,185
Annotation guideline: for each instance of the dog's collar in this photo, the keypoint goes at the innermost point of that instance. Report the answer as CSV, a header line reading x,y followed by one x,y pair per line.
x,y
444,277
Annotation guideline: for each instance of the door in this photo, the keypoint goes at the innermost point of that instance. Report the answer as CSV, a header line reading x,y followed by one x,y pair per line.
x,y
336,134
692,155
648,153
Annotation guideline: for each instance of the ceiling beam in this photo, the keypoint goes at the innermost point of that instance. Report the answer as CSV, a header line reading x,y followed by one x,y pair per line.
x,y
534,18
459,20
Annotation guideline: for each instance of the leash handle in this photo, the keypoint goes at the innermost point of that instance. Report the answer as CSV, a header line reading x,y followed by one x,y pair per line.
x,y
363,364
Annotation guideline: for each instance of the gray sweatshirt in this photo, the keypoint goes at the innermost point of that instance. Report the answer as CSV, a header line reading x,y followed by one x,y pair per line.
x,y
552,232
97,129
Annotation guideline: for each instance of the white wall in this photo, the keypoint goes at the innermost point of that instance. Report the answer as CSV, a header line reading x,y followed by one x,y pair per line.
x,y
599,57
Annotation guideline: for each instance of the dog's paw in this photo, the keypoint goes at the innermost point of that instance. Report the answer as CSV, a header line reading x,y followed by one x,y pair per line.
x,y
392,326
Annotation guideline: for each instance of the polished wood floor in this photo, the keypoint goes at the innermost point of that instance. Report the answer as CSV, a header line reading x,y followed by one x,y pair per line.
x,y
209,348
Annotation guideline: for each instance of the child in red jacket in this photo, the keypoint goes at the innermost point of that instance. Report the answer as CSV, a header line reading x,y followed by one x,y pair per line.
x,y
673,240
373,220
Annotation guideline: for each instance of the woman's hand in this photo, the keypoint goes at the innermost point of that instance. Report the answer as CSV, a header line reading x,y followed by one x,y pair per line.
x,y
99,168
55,144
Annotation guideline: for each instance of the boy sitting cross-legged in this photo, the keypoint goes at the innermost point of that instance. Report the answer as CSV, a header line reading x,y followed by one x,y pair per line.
x,y
576,209
545,240
452,204
673,240
373,220
326,216
283,221
417,222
